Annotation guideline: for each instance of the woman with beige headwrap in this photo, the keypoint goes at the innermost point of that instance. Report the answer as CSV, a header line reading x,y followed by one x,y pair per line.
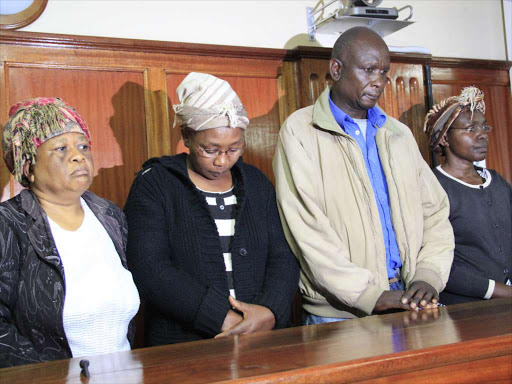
x,y
480,200
65,290
206,246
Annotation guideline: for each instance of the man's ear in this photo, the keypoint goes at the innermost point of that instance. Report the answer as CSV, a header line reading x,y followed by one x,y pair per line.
x,y
335,67
28,171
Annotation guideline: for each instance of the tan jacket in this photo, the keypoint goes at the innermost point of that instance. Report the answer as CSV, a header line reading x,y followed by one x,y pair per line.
x,y
331,219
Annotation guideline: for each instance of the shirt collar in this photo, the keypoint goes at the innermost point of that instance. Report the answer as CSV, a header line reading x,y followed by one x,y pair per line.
x,y
375,115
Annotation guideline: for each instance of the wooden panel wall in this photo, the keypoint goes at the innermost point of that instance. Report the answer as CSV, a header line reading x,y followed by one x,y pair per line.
x,y
449,76
403,97
125,90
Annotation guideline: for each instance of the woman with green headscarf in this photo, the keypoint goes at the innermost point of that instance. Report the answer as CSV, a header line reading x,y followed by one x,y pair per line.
x,y
64,287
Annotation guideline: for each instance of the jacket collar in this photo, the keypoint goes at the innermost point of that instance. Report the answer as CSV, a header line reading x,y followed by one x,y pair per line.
x,y
324,119
38,229
101,209
322,116
177,165
39,232
375,116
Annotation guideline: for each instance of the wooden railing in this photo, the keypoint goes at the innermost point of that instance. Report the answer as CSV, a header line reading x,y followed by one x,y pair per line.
x,y
465,343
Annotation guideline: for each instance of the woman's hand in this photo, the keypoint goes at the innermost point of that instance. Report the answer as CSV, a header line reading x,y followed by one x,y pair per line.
x,y
501,290
232,319
256,318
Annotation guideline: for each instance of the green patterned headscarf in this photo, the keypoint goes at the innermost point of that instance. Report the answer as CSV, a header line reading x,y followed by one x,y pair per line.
x,y
30,124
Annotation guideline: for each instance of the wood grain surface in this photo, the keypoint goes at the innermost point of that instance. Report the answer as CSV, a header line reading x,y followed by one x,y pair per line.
x,y
465,343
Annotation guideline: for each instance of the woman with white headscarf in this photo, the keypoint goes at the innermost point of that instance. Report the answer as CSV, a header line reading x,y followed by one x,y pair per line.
x,y
205,245
480,200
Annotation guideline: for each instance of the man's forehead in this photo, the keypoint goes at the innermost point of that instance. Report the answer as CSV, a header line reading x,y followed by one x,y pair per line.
x,y
370,52
364,42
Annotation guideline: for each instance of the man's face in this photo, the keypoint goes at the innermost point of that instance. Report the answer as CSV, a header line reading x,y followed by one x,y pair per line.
x,y
360,76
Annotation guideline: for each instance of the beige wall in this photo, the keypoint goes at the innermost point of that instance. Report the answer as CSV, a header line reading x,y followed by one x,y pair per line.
x,y
448,28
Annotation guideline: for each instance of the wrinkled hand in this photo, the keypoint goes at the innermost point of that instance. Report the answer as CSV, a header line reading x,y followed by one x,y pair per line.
x,y
232,319
390,300
420,295
256,318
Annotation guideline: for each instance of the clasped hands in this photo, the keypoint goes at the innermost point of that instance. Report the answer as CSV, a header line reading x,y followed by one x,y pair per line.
x,y
255,318
420,295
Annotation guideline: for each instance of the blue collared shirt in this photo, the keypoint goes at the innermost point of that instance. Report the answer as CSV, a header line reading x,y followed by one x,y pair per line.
x,y
376,175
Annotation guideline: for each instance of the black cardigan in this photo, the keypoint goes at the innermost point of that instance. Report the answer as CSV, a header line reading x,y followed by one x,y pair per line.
x,y
175,255
482,224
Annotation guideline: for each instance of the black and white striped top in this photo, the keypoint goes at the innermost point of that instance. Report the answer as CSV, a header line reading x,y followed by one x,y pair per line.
x,y
222,208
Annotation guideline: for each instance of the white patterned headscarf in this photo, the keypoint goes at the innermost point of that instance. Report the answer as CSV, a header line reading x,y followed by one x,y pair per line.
x,y
208,102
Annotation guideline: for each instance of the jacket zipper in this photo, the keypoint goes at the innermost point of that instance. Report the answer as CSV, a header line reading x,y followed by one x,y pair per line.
x,y
407,247
361,180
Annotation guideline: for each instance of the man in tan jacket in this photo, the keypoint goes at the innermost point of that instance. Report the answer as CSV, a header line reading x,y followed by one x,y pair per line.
x,y
361,209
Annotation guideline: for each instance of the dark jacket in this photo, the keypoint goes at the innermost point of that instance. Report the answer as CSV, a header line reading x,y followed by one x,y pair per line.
x,y
174,252
482,224
32,284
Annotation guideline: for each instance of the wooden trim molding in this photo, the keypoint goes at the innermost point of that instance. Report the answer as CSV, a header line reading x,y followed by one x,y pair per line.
x,y
305,52
23,18
453,62
135,45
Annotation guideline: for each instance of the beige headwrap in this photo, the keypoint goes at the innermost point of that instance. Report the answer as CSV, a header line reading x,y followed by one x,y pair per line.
x,y
442,115
208,102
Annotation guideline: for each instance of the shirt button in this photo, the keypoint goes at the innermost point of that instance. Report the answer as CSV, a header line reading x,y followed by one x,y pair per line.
x,y
358,132
489,203
496,225
505,271
221,207
242,252
500,249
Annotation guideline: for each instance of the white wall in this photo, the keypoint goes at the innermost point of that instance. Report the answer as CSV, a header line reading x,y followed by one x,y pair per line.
x,y
448,28
507,12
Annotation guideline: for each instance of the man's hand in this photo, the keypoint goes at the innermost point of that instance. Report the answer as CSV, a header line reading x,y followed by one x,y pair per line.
x,y
420,295
419,317
390,300
256,318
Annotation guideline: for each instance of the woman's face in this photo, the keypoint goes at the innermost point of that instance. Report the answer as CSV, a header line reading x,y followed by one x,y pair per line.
x,y
213,152
466,145
64,166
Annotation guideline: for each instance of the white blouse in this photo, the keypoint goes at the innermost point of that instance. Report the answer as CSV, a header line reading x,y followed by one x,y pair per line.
x,y
100,296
